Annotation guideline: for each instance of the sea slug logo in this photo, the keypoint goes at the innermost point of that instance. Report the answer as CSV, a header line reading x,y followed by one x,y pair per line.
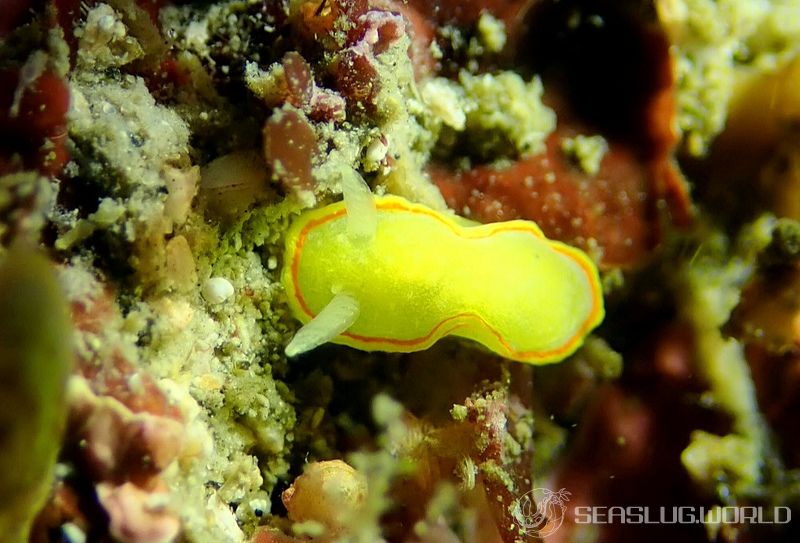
x,y
541,511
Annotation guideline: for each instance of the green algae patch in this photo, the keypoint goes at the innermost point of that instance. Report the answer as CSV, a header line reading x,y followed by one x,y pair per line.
x,y
35,358
715,44
586,151
263,226
491,33
710,284
503,110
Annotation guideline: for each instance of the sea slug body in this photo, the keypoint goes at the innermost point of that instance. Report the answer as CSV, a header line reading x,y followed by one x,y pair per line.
x,y
424,275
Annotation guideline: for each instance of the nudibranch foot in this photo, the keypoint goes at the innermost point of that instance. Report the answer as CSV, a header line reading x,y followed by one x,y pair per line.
x,y
423,275
336,317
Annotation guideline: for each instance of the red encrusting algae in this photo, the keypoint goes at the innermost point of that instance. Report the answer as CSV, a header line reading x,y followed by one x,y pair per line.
x,y
610,214
33,122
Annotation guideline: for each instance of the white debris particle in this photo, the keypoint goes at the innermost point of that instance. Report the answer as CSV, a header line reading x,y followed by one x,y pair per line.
x,y
445,100
217,289
73,533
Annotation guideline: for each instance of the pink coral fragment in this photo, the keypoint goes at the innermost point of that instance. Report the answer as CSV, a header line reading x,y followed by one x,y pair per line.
x,y
119,445
136,515
356,71
303,93
299,79
379,29
289,148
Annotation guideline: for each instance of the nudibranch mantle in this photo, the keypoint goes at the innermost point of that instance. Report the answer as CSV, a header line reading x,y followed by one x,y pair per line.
x,y
425,275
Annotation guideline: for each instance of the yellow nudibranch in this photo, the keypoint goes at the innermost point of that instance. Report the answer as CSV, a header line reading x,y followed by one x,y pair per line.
x,y
423,275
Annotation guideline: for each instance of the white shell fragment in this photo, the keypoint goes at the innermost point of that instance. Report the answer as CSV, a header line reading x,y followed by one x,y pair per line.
x,y
217,289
